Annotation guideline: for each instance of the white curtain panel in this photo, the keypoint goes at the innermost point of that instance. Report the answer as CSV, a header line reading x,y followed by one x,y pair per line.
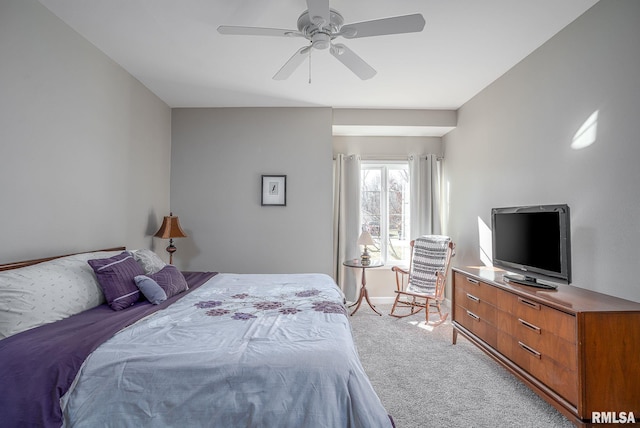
x,y
346,220
425,174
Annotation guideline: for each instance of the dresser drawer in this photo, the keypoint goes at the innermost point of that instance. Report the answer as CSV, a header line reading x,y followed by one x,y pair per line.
x,y
470,302
541,316
562,351
560,378
480,290
477,324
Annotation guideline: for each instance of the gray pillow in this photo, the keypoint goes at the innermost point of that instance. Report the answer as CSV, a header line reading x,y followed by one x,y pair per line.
x,y
151,290
150,261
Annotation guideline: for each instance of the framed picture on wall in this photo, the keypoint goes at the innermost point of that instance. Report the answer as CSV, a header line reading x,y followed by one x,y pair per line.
x,y
274,190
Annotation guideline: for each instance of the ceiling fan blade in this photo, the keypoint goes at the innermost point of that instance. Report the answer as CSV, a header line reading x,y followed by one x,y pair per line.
x,y
352,61
318,12
294,62
379,27
258,31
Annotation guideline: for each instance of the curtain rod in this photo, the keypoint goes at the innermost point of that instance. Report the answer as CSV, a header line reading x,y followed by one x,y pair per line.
x,y
391,157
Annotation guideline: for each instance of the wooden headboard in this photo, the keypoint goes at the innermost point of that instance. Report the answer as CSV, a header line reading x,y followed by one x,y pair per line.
x,y
16,265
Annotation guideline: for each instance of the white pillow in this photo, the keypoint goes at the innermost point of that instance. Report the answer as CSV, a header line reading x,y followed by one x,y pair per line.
x,y
48,292
150,261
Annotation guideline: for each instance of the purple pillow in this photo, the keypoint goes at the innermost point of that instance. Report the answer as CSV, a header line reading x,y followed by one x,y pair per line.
x,y
171,280
115,276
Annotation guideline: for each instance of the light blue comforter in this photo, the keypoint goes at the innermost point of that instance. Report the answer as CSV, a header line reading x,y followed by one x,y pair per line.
x,y
240,351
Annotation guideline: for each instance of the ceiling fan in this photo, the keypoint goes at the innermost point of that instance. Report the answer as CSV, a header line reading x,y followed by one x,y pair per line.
x,y
321,25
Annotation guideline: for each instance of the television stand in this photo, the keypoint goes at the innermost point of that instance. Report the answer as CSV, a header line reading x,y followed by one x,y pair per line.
x,y
527,280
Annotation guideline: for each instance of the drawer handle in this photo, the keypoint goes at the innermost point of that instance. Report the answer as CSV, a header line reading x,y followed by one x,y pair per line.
x,y
529,303
530,350
474,316
472,297
473,281
529,325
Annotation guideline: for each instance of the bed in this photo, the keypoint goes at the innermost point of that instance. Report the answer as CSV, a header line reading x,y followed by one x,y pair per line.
x,y
207,349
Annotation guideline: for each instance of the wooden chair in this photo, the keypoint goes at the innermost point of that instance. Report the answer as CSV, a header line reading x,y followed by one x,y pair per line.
x,y
422,286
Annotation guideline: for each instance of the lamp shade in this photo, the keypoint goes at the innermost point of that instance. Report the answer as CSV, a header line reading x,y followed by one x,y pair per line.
x,y
365,238
170,228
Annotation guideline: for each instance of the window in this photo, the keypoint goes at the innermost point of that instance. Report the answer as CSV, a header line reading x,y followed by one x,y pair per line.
x,y
385,208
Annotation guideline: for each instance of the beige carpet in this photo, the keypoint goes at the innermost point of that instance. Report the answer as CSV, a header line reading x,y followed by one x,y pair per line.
x,y
425,381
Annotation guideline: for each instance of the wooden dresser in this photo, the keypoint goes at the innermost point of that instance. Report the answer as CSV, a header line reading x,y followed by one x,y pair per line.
x,y
577,349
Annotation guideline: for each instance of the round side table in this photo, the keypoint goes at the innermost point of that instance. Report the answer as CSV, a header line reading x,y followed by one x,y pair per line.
x,y
364,293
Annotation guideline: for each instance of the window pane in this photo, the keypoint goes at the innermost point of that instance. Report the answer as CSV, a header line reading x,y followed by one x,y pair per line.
x,y
370,207
398,217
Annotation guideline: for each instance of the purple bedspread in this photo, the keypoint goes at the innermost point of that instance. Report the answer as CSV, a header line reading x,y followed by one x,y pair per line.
x,y
38,366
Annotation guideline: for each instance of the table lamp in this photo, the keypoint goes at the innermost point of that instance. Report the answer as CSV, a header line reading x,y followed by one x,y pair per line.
x,y
170,229
365,239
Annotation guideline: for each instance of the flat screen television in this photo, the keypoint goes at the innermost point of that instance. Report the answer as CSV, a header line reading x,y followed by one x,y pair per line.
x,y
534,242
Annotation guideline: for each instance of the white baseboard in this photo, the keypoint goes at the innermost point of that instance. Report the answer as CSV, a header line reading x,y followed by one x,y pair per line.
x,y
389,300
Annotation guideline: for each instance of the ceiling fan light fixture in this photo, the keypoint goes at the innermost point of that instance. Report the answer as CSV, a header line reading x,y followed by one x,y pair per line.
x,y
321,40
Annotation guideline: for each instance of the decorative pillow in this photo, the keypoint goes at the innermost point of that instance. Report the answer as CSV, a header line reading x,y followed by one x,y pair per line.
x,y
115,276
151,290
171,280
150,261
46,292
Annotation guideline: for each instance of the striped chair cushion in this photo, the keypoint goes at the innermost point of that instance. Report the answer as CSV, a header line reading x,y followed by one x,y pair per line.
x,y
429,257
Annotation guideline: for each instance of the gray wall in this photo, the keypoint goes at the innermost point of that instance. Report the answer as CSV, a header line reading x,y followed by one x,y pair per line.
x,y
84,147
387,147
85,154
218,157
512,146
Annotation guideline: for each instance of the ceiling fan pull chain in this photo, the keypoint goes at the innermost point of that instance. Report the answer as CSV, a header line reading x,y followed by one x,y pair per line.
x,y
310,65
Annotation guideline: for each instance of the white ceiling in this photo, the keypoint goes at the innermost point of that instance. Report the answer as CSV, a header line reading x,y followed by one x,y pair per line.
x,y
174,49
